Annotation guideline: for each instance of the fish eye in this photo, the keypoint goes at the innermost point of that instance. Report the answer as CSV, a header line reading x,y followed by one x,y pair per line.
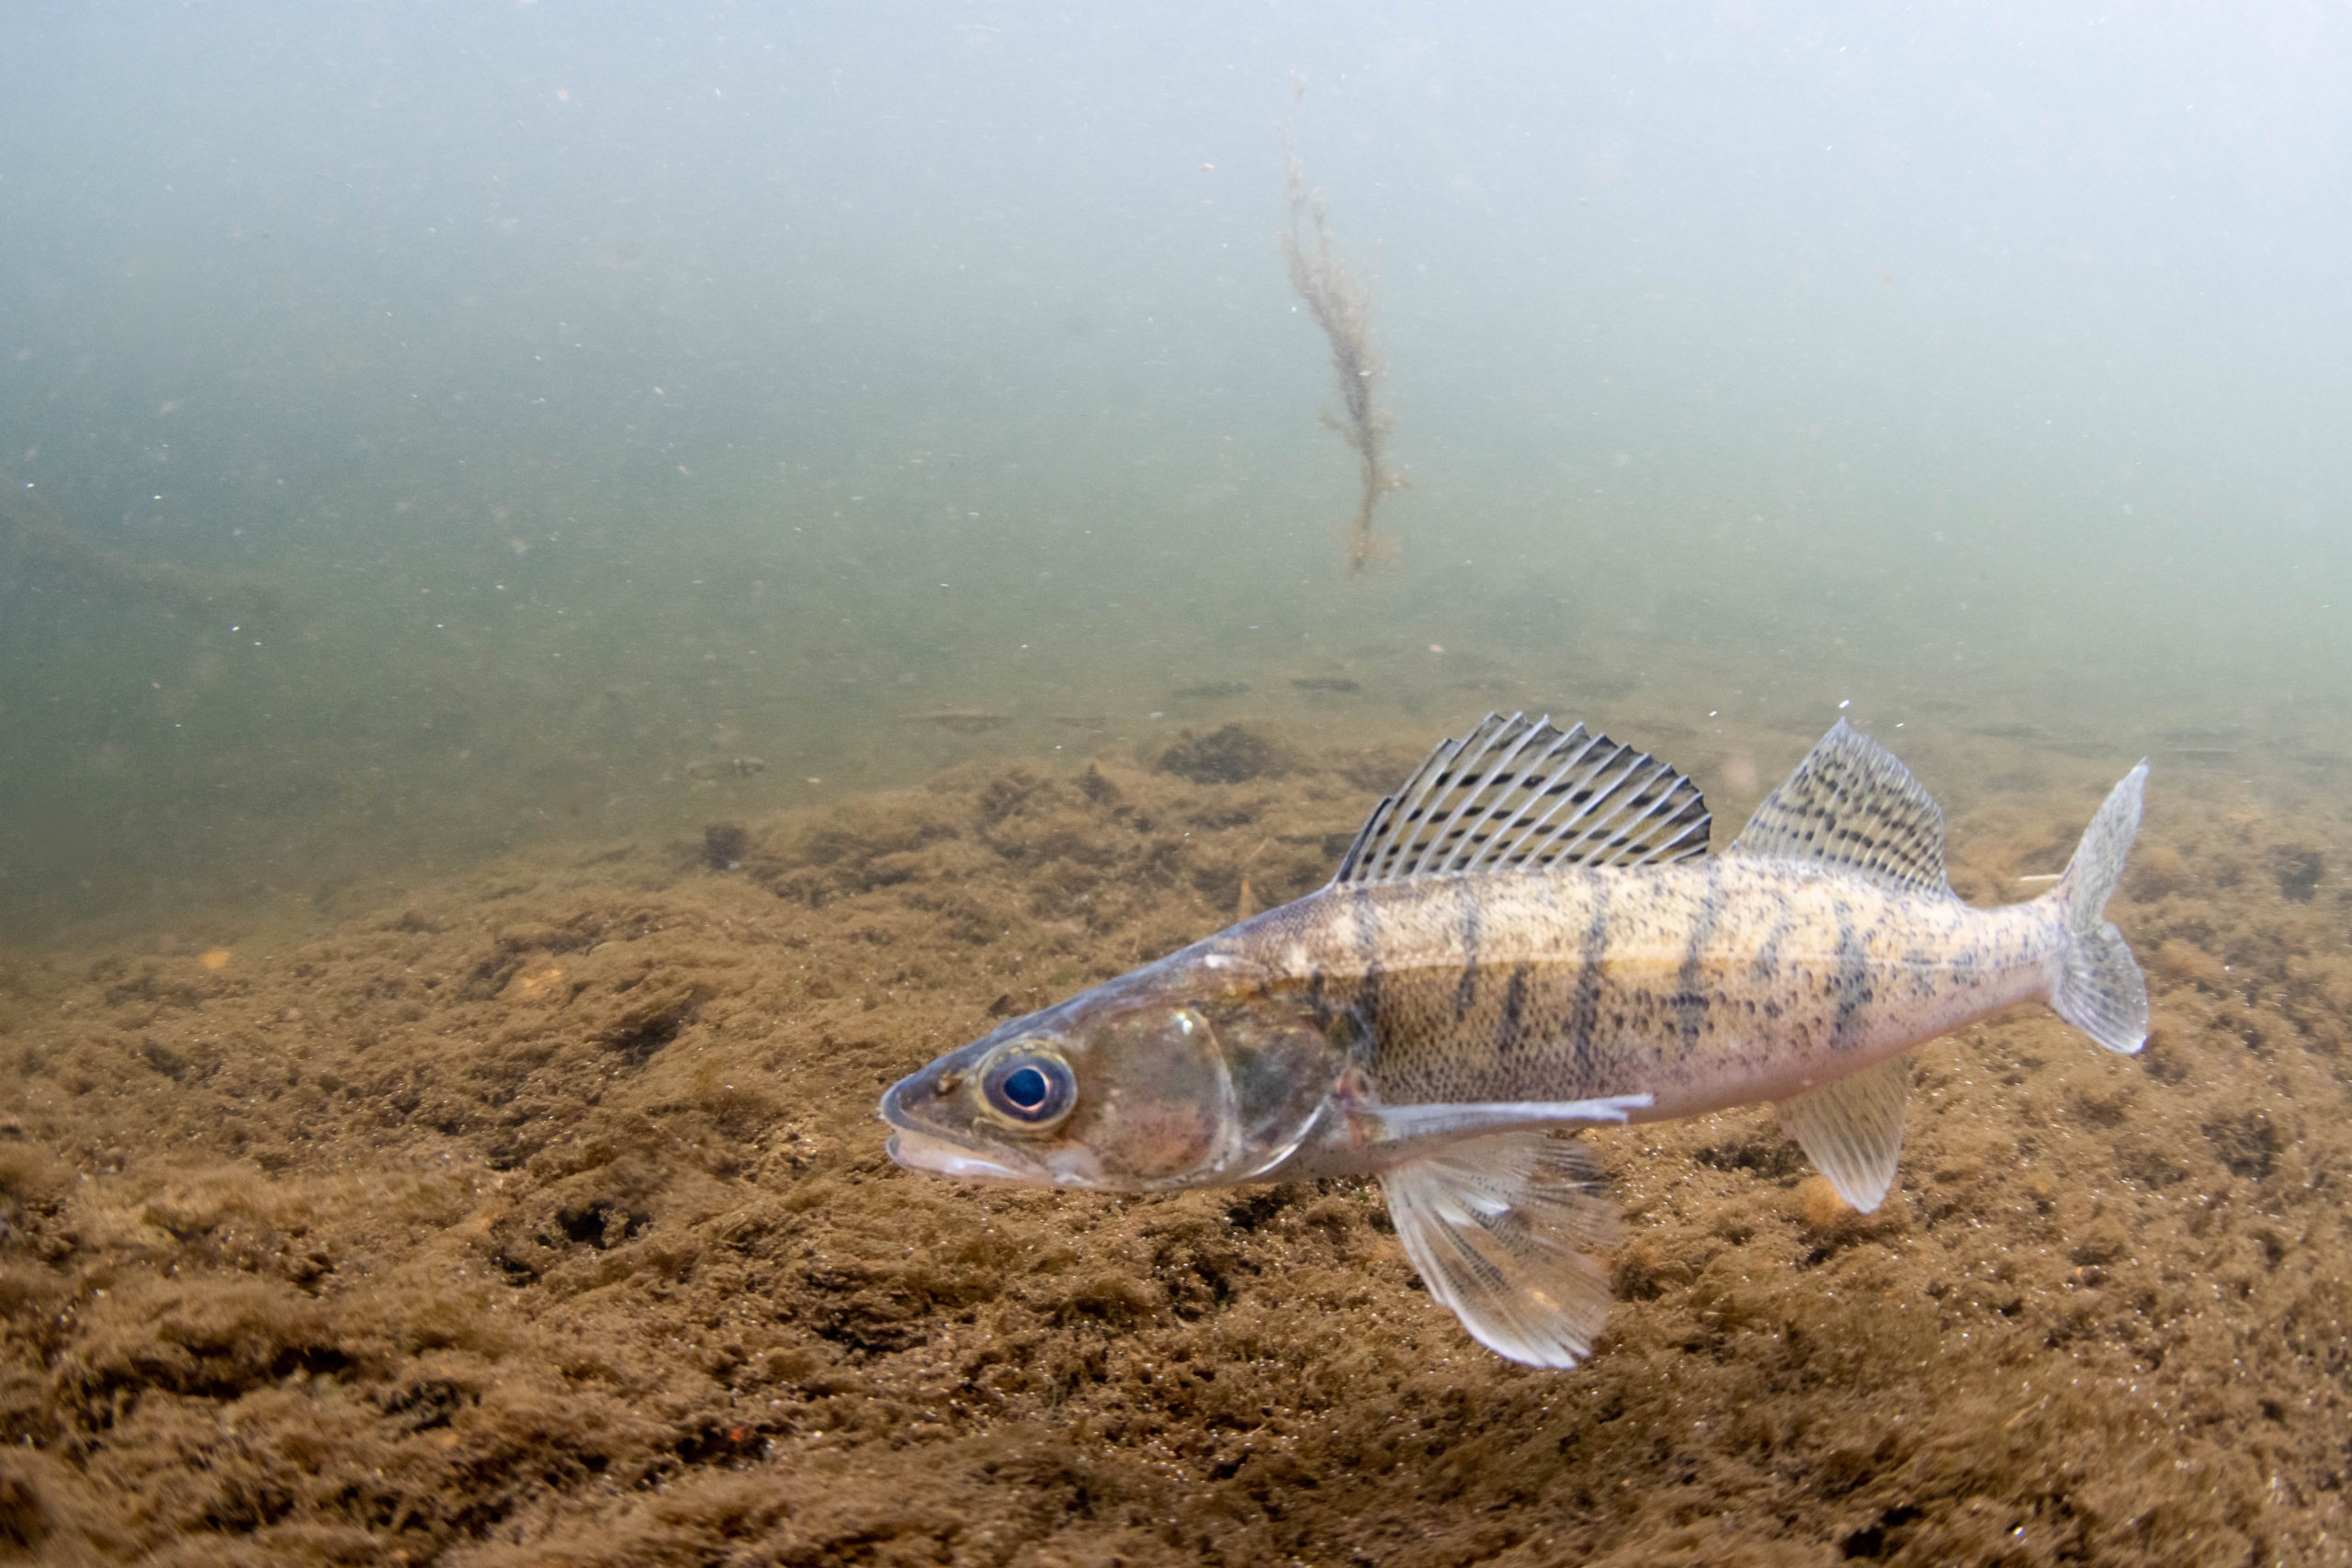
x,y
1029,1088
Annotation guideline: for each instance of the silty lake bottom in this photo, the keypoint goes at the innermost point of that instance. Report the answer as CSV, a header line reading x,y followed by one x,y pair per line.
x,y
535,1212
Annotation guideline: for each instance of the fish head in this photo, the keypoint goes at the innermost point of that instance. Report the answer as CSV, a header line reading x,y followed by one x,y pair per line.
x,y
1141,1085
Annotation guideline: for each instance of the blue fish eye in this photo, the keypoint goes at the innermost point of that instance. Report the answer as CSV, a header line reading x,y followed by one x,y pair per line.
x,y
1031,1088
1026,1087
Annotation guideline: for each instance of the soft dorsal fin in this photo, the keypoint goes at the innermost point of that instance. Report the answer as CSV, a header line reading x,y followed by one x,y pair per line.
x,y
1850,805
1516,794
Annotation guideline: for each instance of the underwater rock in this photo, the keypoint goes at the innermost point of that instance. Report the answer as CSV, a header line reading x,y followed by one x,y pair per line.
x,y
1233,754
724,845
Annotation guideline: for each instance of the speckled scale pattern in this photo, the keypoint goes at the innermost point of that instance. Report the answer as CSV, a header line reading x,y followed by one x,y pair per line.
x,y
1706,983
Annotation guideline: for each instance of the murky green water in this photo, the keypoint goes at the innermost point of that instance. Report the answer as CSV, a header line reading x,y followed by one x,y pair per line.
x,y
417,447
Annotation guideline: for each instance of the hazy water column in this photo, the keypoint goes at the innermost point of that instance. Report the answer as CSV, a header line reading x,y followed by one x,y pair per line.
x,y
596,395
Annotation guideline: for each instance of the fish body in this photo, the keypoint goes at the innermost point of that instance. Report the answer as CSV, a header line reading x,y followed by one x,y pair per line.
x,y
1529,938
1706,984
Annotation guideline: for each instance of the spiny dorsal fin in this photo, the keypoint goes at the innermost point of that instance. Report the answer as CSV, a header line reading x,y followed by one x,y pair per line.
x,y
1850,805
1516,794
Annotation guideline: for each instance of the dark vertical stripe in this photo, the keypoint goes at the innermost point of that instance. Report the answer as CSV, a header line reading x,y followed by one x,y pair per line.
x,y
1585,1012
1507,1028
1768,957
1367,933
1465,990
1691,999
1853,977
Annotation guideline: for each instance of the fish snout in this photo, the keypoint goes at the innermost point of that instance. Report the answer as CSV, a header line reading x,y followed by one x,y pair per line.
x,y
931,1119
912,1104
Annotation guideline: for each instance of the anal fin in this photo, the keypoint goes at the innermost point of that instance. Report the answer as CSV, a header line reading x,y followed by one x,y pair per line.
x,y
1497,1227
1851,1129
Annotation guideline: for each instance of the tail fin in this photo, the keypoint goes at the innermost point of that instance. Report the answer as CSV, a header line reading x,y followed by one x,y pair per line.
x,y
2101,991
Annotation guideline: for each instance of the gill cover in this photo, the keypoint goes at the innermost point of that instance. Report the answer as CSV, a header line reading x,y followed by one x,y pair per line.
x,y
1156,1105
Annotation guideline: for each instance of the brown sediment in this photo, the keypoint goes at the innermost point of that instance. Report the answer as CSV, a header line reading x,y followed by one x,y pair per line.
x,y
543,1217
1342,308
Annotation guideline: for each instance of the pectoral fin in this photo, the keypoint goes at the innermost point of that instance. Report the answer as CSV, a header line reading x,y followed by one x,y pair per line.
x,y
1852,1129
1497,1227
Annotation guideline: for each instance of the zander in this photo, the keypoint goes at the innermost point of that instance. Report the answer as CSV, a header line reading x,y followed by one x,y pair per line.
x,y
1529,936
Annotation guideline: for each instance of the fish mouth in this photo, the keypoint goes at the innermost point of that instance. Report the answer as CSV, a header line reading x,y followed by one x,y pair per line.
x,y
917,1147
1078,1168
918,1141
941,1156
939,1153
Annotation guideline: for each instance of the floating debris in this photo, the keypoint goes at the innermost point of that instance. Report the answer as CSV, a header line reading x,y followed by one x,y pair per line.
x,y
1342,308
